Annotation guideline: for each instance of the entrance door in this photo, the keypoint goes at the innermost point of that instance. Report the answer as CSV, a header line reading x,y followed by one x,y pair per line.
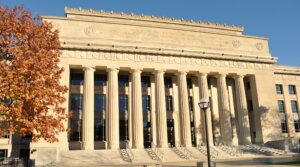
x,y
171,134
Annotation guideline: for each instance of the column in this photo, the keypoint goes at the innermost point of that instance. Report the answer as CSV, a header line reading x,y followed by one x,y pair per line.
x,y
184,110
88,109
113,109
137,110
225,122
203,86
162,139
242,112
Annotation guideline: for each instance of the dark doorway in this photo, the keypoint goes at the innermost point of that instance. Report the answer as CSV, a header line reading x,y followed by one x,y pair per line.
x,y
147,135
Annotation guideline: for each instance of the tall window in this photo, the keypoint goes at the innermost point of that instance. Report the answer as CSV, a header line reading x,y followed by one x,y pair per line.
x,y
100,80
76,101
295,115
99,102
292,89
189,83
169,103
76,130
123,103
146,103
77,78
123,81
294,106
99,130
191,103
3,153
145,81
279,89
168,82
281,109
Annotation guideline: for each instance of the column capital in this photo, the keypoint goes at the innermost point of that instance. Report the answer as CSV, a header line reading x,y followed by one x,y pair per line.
x,y
181,72
202,74
110,69
87,68
238,75
222,74
139,70
159,71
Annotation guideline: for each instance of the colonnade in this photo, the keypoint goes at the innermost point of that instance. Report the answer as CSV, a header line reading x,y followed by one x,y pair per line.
x,y
161,139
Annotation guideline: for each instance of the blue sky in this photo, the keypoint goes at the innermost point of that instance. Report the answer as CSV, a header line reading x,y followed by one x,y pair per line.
x,y
278,20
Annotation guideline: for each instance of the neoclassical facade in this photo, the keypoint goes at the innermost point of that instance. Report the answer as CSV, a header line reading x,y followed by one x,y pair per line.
x,y
135,81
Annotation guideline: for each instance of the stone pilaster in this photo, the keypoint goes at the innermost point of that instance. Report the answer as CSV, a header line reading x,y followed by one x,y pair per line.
x,y
137,110
204,93
88,109
162,139
224,109
242,111
184,110
113,109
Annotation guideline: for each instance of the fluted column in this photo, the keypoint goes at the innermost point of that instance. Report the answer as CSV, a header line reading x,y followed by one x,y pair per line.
x,y
204,93
88,109
184,110
162,139
113,109
137,110
225,122
242,112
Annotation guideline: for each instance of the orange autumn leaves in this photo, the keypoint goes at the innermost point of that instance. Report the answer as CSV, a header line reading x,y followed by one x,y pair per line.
x,y
30,91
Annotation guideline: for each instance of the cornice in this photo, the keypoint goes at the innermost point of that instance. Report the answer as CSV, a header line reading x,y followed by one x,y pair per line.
x,y
289,70
165,52
101,13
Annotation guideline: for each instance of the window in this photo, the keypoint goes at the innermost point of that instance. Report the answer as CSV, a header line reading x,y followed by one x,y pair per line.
x,y
294,106
123,81
292,89
189,83
297,125
169,103
146,103
100,80
145,81
279,89
3,153
76,78
99,102
282,116
281,106
99,130
123,130
168,82
76,130
123,103
191,103
76,101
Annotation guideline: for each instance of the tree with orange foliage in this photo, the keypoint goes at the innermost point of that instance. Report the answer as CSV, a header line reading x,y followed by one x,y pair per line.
x,y
30,92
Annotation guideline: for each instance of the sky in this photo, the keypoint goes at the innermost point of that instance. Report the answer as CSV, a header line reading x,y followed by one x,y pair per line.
x,y
277,20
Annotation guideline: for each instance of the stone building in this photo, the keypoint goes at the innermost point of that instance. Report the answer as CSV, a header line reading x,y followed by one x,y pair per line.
x,y
135,82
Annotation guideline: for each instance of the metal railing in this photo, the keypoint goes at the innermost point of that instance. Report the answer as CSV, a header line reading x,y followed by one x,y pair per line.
x,y
129,151
17,162
157,152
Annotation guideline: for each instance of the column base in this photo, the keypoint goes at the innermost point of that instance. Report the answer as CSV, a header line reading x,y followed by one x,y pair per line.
x,y
87,146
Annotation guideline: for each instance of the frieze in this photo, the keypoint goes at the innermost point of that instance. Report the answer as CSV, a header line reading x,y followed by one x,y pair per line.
x,y
163,59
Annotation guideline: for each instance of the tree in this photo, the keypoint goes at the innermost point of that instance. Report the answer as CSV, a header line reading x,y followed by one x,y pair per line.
x,y
30,92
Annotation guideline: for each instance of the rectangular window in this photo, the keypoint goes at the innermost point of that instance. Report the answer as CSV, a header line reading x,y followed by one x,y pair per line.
x,y
168,82
123,130
191,106
3,153
76,101
123,103
189,83
294,106
123,81
281,106
145,81
169,103
76,130
99,130
297,125
99,102
77,78
100,80
146,103
279,89
284,126
292,89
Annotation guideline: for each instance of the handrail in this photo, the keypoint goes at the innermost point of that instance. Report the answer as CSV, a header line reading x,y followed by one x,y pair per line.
x,y
130,153
158,153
